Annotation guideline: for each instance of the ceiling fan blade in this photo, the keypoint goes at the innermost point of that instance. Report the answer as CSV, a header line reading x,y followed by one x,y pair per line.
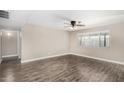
x,y
80,25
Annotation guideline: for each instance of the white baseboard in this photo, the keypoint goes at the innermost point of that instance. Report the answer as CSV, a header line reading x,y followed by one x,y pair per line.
x,y
35,59
102,59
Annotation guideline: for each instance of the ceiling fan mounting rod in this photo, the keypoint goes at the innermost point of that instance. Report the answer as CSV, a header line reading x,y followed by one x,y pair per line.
x,y
73,23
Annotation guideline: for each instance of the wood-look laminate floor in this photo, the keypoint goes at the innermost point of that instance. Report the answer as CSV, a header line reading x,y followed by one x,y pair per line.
x,y
68,68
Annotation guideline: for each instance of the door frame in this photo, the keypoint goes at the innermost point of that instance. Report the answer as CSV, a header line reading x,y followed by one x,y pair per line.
x,y
19,43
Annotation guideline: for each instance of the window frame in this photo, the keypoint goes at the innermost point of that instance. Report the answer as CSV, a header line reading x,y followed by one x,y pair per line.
x,y
99,34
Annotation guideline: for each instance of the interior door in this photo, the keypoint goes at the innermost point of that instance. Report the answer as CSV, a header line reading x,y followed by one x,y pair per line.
x,y
10,43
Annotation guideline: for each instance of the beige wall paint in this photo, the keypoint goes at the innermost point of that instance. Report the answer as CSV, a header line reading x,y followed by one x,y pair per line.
x,y
114,52
39,41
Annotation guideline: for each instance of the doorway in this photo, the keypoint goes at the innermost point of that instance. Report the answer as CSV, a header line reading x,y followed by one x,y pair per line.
x,y
10,41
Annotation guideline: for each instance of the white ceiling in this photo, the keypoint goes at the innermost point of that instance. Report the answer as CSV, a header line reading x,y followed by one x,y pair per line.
x,y
56,19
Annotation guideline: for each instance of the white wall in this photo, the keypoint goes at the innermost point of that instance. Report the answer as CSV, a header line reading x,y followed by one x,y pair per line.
x,y
116,50
39,41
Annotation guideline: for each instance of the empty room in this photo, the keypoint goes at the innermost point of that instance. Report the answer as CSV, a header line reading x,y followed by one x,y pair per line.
x,y
61,45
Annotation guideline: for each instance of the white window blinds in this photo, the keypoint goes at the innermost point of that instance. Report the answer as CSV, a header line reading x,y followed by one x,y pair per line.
x,y
94,39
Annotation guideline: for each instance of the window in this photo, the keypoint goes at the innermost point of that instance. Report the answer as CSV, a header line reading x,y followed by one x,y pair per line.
x,y
94,39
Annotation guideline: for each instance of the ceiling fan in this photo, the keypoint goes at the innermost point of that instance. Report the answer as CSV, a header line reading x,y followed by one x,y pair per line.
x,y
70,24
74,24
